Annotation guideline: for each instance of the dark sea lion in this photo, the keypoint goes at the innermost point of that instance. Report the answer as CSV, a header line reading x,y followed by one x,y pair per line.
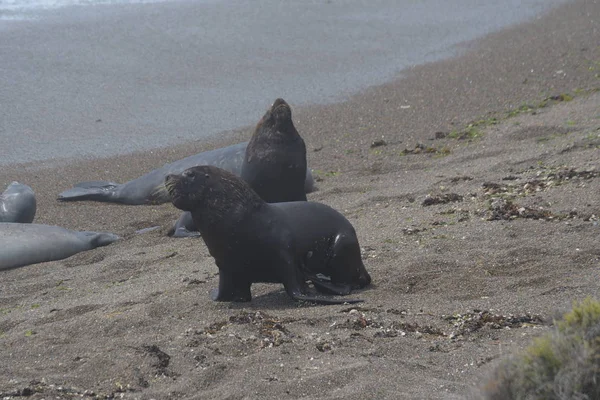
x,y
149,188
17,204
274,163
253,241
275,160
25,244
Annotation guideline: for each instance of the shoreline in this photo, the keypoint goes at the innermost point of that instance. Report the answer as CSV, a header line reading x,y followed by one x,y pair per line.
x,y
400,82
457,285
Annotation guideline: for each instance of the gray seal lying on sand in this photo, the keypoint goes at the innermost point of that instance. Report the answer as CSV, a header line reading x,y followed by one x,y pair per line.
x,y
149,188
274,163
24,244
254,241
17,204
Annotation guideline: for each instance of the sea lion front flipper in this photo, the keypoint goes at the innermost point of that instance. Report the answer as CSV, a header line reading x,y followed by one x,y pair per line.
x,y
231,288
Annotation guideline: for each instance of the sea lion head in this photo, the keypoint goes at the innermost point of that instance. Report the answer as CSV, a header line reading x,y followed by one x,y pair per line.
x,y
278,119
210,188
353,274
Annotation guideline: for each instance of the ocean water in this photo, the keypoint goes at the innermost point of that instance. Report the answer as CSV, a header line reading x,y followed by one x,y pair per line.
x,y
84,78
23,9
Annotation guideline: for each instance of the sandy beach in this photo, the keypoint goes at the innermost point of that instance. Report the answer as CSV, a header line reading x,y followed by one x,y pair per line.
x,y
472,183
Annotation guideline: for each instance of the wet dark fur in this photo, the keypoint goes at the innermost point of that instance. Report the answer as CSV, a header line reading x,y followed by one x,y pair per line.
x,y
275,161
253,241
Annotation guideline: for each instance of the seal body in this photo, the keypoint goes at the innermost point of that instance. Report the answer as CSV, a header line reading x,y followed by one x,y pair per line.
x,y
275,159
327,243
17,204
253,241
149,188
25,244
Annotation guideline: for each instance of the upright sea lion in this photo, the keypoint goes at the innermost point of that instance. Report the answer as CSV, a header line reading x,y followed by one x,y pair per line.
x,y
253,241
275,160
274,163
149,189
17,204
24,244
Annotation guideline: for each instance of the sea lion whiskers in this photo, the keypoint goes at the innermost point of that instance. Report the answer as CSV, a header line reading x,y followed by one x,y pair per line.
x,y
159,192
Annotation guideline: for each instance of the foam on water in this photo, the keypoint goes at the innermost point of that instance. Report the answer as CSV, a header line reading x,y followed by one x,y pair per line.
x,y
27,9
20,5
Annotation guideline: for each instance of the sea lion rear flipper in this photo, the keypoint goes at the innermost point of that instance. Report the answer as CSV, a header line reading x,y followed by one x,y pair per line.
x,y
295,286
324,286
92,190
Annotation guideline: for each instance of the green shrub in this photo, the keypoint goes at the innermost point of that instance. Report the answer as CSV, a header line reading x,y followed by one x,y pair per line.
x,y
563,364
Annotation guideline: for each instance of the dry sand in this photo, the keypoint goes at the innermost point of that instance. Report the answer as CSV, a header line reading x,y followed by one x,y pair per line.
x,y
456,285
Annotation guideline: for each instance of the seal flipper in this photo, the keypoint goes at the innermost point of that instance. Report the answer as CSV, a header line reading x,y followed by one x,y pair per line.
x,y
183,233
94,184
184,227
323,299
324,286
91,190
323,283
295,286
231,288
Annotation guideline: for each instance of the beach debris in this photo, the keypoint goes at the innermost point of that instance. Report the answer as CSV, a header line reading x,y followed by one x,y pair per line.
x,y
413,231
461,178
544,180
323,346
441,199
378,143
474,321
503,209
160,361
420,148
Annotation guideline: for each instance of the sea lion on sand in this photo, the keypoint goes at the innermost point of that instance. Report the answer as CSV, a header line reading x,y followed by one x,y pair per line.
x,y
274,163
17,204
24,244
253,241
149,188
275,160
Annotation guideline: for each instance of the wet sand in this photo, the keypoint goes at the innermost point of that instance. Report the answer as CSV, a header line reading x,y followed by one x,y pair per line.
x,y
491,134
